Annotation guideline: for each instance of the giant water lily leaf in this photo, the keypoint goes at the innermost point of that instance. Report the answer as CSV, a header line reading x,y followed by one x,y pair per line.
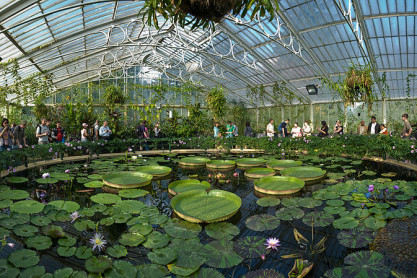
x,y
53,231
5,203
98,264
309,202
23,258
162,256
181,186
25,230
207,273
305,173
66,251
259,172
251,247
262,222
117,251
94,184
68,206
250,162
289,213
156,240
278,185
17,179
318,219
141,228
263,273
220,254
127,179
151,271
105,198
7,269
83,252
268,202
27,206
130,206
345,223
154,170
38,242
354,238
121,269
222,230
40,220
132,193
130,239
188,254
374,224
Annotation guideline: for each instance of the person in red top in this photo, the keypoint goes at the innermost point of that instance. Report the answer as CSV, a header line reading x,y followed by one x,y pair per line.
x,y
58,133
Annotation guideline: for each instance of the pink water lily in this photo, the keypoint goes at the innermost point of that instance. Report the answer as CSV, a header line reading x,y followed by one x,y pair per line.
x,y
74,216
272,243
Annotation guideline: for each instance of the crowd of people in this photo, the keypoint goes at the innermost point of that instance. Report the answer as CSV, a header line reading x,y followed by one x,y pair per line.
x,y
285,130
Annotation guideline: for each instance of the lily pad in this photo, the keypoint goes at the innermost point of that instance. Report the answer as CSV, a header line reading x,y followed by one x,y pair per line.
x,y
222,230
158,219
181,186
149,211
154,170
334,210
354,238
94,184
193,161
162,256
151,271
95,177
108,221
368,173
207,273
250,162
5,203
121,217
9,223
279,165
309,174
7,269
105,198
67,241
122,269
47,180
374,224
14,194
181,229
40,221
130,239
268,202
23,258
290,202
38,242
17,179
201,207
251,247
66,251
117,251
83,252
318,219
130,206
156,240
68,206
98,264
53,231
25,230
127,179
278,185
220,254
309,203
221,164
33,272
181,271
188,254
132,193
263,273
262,222
345,223
289,214
137,220
256,173
27,206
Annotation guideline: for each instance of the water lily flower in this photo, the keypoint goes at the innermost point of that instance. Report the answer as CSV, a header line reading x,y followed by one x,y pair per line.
x,y
236,174
363,204
393,147
396,187
33,146
272,243
67,171
140,155
10,244
74,216
98,241
8,149
129,149
412,151
85,165
134,157
45,175
14,170
370,189
263,257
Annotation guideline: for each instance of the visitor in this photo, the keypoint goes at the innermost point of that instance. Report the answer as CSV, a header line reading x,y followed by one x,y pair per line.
x,y
296,131
324,130
373,127
42,133
407,126
235,132
58,133
84,134
217,130
362,128
96,131
48,124
230,129
105,131
142,133
306,129
146,135
248,130
19,135
13,127
338,128
6,135
270,132
384,130
157,130
283,129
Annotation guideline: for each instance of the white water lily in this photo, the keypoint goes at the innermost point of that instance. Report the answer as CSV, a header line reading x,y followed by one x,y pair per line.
x,y
134,157
140,155
45,175
98,241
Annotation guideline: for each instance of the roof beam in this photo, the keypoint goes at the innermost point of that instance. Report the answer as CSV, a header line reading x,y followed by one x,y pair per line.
x,y
15,7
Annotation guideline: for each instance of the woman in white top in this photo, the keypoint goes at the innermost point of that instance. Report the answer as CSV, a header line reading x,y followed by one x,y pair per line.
x,y
84,134
307,129
296,131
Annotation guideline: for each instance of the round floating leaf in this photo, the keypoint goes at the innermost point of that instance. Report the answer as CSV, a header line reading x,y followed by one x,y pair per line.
x,y
309,202
111,211
94,177
290,202
367,264
222,230
130,206
86,212
188,254
207,273
38,242
181,271
262,222
132,193
181,186
251,247
98,207
259,172
4,233
127,179
330,195
268,202
318,219
66,251
64,273
17,179
374,224
345,223
181,229
122,269
369,173
68,206
105,198
23,258
263,273
129,239
142,228
83,253
98,264
33,272
289,213
117,251
27,206
162,256
121,217
354,238
40,220
9,223
25,230
94,184
107,221
158,219
279,185
334,210
306,173
154,170
47,180
7,269
137,220
149,211
84,225
156,240
53,231
250,162
67,241
220,254
5,203
151,271
335,203
193,161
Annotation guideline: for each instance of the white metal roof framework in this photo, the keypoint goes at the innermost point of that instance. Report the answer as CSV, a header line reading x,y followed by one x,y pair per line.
x,y
81,40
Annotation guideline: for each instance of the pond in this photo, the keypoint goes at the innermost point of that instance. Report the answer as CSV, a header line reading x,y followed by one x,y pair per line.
x,y
331,221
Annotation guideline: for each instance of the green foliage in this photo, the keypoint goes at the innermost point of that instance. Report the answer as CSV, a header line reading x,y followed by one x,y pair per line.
x,y
114,96
278,94
216,102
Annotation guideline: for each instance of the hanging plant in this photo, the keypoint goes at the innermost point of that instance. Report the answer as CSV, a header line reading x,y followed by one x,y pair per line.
x,y
204,13
216,101
114,96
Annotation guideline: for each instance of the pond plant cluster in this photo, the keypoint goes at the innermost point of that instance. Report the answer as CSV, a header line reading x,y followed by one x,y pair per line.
x,y
112,230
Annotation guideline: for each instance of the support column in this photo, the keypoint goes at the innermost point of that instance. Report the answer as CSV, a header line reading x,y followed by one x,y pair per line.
x,y
384,111
346,110
257,117
312,116
282,114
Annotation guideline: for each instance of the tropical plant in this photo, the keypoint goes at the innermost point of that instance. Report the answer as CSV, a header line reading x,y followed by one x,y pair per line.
x,y
216,101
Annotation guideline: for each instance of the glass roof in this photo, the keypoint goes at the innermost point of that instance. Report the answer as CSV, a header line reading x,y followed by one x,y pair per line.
x,y
81,40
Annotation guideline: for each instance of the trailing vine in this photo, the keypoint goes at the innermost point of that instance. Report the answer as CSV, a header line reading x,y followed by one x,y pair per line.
x,y
279,95
216,102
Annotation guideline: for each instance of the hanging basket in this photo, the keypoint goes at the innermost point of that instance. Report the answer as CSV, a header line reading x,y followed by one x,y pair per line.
x,y
207,9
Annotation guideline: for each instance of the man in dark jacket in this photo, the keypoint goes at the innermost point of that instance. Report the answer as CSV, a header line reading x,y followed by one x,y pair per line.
x,y
373,127
58,133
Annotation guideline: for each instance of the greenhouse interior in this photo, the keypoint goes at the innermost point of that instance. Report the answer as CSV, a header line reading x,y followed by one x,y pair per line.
x,y
208,138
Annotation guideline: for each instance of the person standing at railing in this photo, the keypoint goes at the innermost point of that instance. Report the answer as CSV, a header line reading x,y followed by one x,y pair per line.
x,y
270,132
407,126
42,133
84,135
230,129
248,130
217,130
6,135
96,131
19,135
58,133
105,131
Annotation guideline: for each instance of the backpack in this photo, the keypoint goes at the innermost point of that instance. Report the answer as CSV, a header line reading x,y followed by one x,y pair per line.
x,y
280,128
